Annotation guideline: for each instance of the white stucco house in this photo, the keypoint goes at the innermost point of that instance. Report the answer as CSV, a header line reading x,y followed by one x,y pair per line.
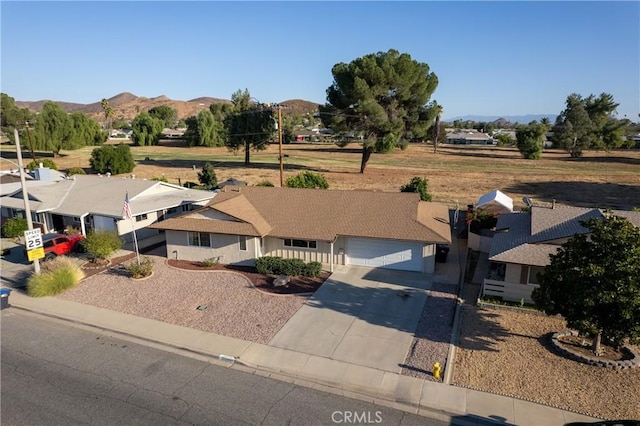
x,y
368,228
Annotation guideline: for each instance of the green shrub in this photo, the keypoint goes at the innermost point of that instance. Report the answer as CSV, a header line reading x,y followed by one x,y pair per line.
x,y
404,144
265,183
273,265
212,261
142,269
269,265
292,267
46,162
14,227
307,179
160,179
56,276
75,171
101,244
312,269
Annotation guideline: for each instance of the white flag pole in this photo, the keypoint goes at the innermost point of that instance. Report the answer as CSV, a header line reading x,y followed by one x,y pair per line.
x,y
135,239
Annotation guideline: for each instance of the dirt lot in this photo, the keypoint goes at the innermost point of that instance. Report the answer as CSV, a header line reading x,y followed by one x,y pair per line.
x,y
460,173
508,352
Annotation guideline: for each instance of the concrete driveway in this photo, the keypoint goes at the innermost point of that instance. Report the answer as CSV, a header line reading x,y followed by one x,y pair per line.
x,y
364,316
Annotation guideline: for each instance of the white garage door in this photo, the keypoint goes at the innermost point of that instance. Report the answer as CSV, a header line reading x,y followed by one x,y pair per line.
x,y
405,256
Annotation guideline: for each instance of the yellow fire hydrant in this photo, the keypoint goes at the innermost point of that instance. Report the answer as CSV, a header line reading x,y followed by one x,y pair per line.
x,y
436,370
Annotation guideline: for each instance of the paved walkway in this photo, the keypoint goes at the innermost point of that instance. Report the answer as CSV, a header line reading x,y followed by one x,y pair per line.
x,y
360,315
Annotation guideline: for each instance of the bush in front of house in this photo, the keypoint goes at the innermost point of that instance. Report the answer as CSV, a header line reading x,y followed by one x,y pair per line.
x,y
142,269
274,265
101,244
56,276
292,267
312,269
269,265
14,227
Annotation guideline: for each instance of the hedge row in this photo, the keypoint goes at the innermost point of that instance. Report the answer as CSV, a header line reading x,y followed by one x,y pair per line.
x,y
273,265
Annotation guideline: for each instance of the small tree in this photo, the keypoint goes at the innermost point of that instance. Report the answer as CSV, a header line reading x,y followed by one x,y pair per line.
x,y
207,177
101,244
504,139
530,140
593,281
115,160
307,179
265,183
419,185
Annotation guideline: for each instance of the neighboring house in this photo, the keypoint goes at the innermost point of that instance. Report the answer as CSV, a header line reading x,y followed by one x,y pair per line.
x,y
368,228
521,248
88,202
469,137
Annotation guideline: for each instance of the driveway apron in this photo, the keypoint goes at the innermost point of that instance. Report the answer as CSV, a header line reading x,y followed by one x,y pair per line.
x,y
364,316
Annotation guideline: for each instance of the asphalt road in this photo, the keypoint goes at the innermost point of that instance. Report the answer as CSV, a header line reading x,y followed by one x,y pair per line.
x,y
55,372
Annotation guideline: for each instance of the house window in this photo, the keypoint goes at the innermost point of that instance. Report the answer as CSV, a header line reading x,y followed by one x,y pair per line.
x,y
243,242
201,239
533,274
185,207
300,243
76,219
141,217
172,210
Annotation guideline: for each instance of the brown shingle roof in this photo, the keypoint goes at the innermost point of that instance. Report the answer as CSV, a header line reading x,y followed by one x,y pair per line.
x,y
322,215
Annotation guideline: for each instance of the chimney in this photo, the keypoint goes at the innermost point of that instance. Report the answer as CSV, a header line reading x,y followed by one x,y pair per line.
x,y
553,203
40,165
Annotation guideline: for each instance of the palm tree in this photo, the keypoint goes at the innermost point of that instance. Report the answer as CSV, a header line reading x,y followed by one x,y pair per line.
x,y
109,113
436,129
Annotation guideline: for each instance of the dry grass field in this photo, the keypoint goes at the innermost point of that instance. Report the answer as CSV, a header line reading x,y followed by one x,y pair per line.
x,y
462,173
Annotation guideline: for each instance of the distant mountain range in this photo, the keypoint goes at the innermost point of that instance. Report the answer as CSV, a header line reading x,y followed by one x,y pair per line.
x,y
127,105
522,119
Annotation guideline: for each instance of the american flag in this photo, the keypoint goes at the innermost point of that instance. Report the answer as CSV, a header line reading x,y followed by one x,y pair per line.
x,y
126,208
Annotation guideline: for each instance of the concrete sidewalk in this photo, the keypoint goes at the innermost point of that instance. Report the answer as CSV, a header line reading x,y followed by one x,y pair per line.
x,y
348,379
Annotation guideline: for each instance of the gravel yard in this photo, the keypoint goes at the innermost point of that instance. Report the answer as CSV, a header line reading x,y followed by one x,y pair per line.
x,y
433,333
234,307
507,352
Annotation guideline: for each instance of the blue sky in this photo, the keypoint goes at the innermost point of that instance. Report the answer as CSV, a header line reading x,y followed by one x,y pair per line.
x,y
491,58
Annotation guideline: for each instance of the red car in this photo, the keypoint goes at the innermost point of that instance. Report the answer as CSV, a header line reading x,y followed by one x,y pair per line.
x,y
60,244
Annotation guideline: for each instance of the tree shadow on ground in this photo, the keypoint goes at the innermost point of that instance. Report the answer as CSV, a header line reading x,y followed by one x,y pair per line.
x,y
511,155
480,329
331,149
604,160
199,164
581,194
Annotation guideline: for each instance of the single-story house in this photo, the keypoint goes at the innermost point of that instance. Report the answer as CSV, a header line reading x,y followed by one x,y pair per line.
x,y
521,247
471,137
368,228
88,202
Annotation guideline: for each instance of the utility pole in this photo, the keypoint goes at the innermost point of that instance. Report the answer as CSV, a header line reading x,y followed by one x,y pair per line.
x,y
25,195
280,145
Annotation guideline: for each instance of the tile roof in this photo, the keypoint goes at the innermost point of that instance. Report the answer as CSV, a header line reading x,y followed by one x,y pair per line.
x,y
316,214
